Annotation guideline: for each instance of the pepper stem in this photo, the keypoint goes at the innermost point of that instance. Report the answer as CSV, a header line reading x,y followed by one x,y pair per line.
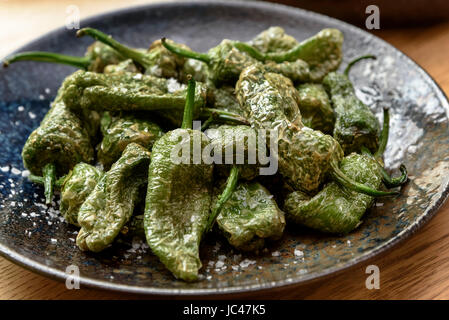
x,y
40,180
208,121
384,135
359,187
127,52
250,50
394,182
185,52
190,101
222,115
42,56
49,175
353,62
231,184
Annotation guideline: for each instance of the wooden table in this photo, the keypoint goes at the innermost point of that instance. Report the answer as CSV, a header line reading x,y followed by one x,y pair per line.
x,y
416,269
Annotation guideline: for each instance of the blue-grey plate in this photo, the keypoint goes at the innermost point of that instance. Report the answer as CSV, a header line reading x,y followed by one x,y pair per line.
x,y
36,237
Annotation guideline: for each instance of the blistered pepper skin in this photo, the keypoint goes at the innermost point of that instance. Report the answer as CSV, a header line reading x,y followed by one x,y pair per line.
x,y
77,186
110,205
335,209
122,129
61,139
315,107
250,216
271,102
177,204
274,39
101,55
242,140
355,123
125,92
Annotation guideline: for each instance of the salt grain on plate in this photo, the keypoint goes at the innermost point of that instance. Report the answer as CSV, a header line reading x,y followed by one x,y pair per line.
x,y
298,253
20,108
275,254
4,169
47,90
41,97
15,171
31,115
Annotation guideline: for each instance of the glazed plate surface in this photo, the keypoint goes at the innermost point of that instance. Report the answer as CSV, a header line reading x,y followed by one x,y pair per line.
x,y
35,236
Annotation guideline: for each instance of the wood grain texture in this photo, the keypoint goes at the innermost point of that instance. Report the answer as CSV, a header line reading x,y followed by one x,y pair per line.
x,y
418,268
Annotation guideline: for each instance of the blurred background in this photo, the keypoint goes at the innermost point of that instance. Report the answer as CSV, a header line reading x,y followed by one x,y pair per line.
x,y
22,20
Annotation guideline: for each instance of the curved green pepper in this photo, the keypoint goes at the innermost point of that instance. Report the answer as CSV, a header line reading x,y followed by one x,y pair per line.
x,y
123,129
110,205
243,142
249,216
322,53
125,92
157,61
306,156
226,61
178,198
57,145
315,107
77,186
274,39
355,123
337,209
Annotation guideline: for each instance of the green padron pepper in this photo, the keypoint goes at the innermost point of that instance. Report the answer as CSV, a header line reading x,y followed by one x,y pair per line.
x,y
110,205
97,57
121,67
270,102
179,197
274,39
241,143
74,187
157,61
119,130
126,92
250,216
57,145
355,123
322,53
226,61
315,107
306,157
336,208
77,186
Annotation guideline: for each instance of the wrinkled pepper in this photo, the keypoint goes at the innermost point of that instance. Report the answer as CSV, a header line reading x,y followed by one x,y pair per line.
x,y
109,207
178,197
157,61
74,187
355,123
57,145
250,216
322,52
226,61
337,209
274,39
122,129
126,92
77,186
315,108
306,157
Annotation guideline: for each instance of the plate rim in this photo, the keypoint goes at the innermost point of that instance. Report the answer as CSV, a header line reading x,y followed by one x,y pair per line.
x,y
428,214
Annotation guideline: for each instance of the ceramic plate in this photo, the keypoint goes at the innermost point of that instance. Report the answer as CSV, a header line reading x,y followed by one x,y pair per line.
x,y
36,237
